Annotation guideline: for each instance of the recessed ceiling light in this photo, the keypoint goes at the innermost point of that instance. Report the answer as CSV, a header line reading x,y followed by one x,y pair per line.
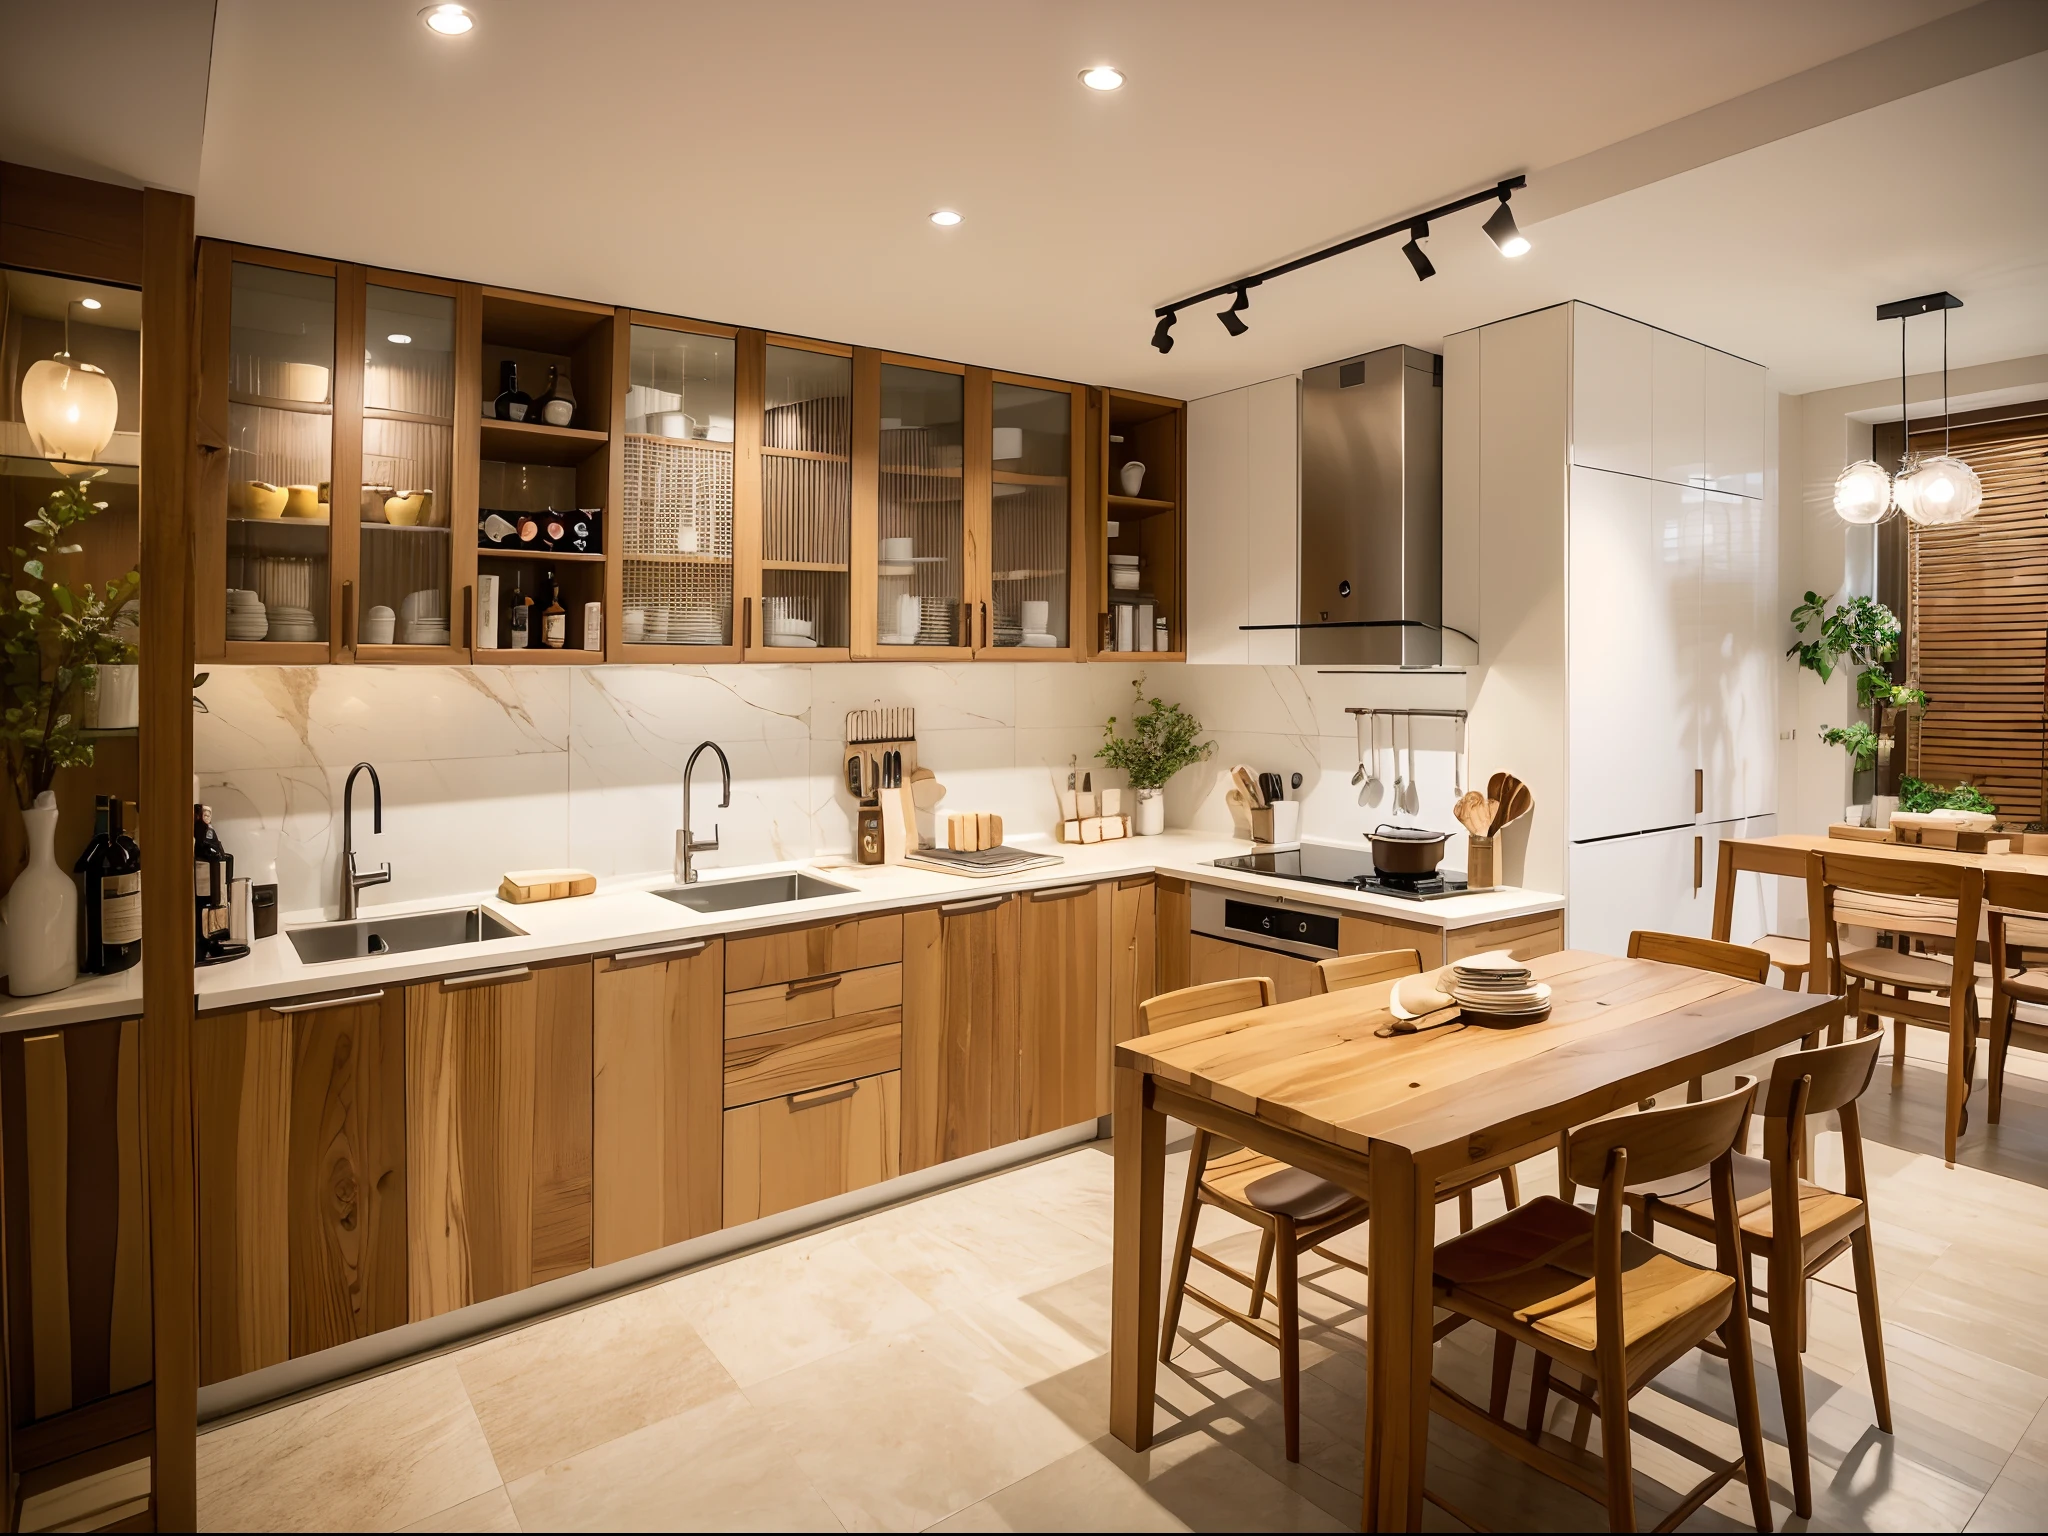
x,y
88,303
448,20
1103,77
946,218
399,338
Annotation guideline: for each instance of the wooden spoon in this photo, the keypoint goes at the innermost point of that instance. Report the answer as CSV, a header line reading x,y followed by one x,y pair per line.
x,y
1500,790
1471,812
1520,804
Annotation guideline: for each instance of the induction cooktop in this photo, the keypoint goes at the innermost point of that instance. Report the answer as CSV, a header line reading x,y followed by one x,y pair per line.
x,y
1351,868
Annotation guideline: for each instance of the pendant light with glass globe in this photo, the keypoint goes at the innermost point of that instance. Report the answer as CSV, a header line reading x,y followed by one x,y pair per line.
x,y
1932,492
69,407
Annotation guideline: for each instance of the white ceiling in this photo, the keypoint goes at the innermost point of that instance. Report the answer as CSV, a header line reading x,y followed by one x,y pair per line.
x,y
773,165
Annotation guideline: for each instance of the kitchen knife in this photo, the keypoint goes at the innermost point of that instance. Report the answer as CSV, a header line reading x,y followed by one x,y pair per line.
x,y
853,774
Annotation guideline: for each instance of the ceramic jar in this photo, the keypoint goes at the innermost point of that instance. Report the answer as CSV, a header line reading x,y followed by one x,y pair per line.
x,y
42,911
1150,818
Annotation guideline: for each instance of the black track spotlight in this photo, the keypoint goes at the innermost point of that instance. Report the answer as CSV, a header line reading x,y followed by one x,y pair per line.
x,y
1162,333
1231,323
1501,229
1425,269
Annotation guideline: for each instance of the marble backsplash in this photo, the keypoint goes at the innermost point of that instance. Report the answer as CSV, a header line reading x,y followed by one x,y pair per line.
x,y
486,769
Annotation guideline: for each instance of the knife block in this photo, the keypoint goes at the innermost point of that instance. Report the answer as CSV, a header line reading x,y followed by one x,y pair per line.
x,y
1482,863
1278,823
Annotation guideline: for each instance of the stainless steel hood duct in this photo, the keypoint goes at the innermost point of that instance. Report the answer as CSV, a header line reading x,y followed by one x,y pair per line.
x,y
1372,511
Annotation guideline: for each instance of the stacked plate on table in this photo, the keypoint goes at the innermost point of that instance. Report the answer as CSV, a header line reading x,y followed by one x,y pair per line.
x,y
1496,985
291,624
246,618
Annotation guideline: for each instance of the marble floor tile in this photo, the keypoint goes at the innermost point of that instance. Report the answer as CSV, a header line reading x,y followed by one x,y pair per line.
x,y
725,1466
373,1456
486,1512
546,1391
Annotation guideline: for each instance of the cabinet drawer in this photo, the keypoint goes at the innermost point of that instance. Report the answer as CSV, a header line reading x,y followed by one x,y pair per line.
x,y
811,1056
760,959
803,1147
846,995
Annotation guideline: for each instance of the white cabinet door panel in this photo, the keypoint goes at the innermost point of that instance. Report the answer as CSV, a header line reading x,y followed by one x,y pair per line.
x,y
1666,711
1734,678
1626,883
1677,408
1272,533
1612,373
1765,668
1735,404
1611,604
1218,494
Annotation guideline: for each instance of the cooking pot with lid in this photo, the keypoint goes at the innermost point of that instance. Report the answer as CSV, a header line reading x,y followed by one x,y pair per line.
x,y
1406,851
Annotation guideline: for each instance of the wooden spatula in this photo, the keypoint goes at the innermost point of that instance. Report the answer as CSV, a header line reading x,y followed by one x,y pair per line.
x,y
1520,803
1471,812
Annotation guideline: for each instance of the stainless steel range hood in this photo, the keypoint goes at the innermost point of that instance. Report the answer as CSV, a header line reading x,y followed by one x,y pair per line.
x,y
1372,510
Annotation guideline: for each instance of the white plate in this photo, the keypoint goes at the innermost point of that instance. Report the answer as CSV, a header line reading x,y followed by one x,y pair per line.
x,y
800,641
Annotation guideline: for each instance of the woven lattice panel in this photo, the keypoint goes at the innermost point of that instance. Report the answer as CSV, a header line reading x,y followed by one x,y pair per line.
x,y
674,489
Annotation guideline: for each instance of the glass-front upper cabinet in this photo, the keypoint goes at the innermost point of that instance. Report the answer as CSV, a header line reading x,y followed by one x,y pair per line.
x,y
806,501
920,543
405,586
273,336
675,541
1034,516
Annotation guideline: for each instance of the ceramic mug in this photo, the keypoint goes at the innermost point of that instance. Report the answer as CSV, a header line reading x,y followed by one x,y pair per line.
x,y
1036,612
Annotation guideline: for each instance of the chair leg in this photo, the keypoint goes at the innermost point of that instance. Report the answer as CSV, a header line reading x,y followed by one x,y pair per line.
x,y
1695,1090
2001,1040
1957,1093
1539,1394
1863,1258
1614,1437
1748,1417
1503,1374
1898,1053
1567,1191
1284,1256
1261,1270
1183,1245
1787,1292
1511,1187
1792,981
1464,1210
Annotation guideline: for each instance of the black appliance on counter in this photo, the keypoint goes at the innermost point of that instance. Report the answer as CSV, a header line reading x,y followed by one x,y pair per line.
x,y
1349,868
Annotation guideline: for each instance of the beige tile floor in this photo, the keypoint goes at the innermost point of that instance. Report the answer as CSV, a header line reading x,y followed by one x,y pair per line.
x,y
941,1365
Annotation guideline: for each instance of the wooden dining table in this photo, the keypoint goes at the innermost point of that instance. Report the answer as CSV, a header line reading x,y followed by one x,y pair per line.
x,y
1395,1118
1785,854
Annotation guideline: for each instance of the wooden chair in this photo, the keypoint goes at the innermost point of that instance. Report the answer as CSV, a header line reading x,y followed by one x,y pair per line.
x,y
2019,922
1793,958
1701,954
1609,1305
1796,1227
1343,972
1927,899
1292,1210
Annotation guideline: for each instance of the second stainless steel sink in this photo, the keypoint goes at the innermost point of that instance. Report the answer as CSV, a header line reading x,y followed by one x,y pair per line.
x,y
755,891
320,943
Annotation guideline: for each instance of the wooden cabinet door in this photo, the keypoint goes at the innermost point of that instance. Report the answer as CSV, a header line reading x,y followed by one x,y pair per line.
x,y
800,1148
1217,960
1172,903
498,1134
345,1172
241,1127
1062,1008
657,1052
1133,957
959,1030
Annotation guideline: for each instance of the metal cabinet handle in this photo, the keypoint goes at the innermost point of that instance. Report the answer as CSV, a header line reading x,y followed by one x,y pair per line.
x,y
961,908
814,1096
1061,892
327,1002
626,957
812,984
485,978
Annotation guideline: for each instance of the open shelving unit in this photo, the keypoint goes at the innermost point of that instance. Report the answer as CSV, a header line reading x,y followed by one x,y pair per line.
x,y
1149,430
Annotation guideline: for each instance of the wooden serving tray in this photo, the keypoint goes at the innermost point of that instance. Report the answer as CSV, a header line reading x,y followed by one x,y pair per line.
x,y
521,886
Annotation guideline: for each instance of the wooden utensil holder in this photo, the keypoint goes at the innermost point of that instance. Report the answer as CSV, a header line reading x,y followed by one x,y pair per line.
x,y
1482,863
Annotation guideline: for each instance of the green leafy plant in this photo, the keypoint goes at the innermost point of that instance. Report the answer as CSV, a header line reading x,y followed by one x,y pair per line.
x,y
1858,740
1874,687
1161,743
1919,796
1862,630
54,637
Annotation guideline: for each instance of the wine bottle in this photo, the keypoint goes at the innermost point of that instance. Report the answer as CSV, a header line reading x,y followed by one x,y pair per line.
x,y
521,604
513,402
120,898
87,869
554,620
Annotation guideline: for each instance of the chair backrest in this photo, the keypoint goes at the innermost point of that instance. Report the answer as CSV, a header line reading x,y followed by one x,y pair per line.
x,y
1660,1142
2012,890
1853,888
1701,954
1835,1075
1211,1000
1345,971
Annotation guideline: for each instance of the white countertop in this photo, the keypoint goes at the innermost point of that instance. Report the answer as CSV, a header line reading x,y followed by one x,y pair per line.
x,y
626,914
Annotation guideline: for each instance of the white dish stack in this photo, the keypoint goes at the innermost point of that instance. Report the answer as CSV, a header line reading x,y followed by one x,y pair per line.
x,y
907,619
247,618
1125,572
1037,614
422,618
781,624
1496,985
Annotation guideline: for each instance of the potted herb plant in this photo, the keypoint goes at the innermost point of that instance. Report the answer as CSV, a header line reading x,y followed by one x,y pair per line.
x,y
53,636
1161,743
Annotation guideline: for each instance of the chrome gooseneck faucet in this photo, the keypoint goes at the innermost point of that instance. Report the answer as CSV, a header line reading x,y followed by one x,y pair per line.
x,y
352,882
686,845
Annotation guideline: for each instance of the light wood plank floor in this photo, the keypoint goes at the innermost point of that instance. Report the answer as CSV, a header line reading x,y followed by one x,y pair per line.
x,y
941,1365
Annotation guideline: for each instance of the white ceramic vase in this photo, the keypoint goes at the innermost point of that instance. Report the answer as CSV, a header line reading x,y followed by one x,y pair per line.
x,y
1133,477
1150,817
42,911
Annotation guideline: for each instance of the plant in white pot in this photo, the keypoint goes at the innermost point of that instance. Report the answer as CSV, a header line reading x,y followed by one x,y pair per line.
x,y
53,638
1161,743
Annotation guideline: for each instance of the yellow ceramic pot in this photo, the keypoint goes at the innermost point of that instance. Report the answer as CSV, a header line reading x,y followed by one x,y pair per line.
x,y
303,501
409,510
259,498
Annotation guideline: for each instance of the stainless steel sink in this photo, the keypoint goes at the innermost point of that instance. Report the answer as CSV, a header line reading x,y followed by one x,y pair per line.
x,y
755,891
319,943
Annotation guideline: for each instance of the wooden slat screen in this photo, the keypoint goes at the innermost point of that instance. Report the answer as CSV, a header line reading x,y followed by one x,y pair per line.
x,y
1978,636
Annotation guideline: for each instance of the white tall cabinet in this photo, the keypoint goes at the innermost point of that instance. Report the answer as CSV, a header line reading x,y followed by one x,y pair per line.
x,y
1244,520
1625,466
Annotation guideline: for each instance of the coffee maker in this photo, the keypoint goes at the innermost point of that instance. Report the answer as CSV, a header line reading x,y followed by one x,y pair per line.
x,y
217,934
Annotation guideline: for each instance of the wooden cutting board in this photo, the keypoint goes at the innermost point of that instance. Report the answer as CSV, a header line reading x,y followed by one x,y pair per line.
x,y
524,885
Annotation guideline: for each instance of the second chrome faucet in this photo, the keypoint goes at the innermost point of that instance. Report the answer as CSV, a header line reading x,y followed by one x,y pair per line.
x,y
351,882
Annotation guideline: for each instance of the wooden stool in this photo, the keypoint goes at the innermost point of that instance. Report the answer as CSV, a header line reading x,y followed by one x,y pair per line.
x,y
1525,1275
1797,1227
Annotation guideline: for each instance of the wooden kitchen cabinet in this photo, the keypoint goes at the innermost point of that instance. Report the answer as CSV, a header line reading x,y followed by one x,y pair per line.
x,y
803,1147
960,1042
1215,960
1062,1006
498,1132
299,1118
656,1053
1173,902
1133,957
